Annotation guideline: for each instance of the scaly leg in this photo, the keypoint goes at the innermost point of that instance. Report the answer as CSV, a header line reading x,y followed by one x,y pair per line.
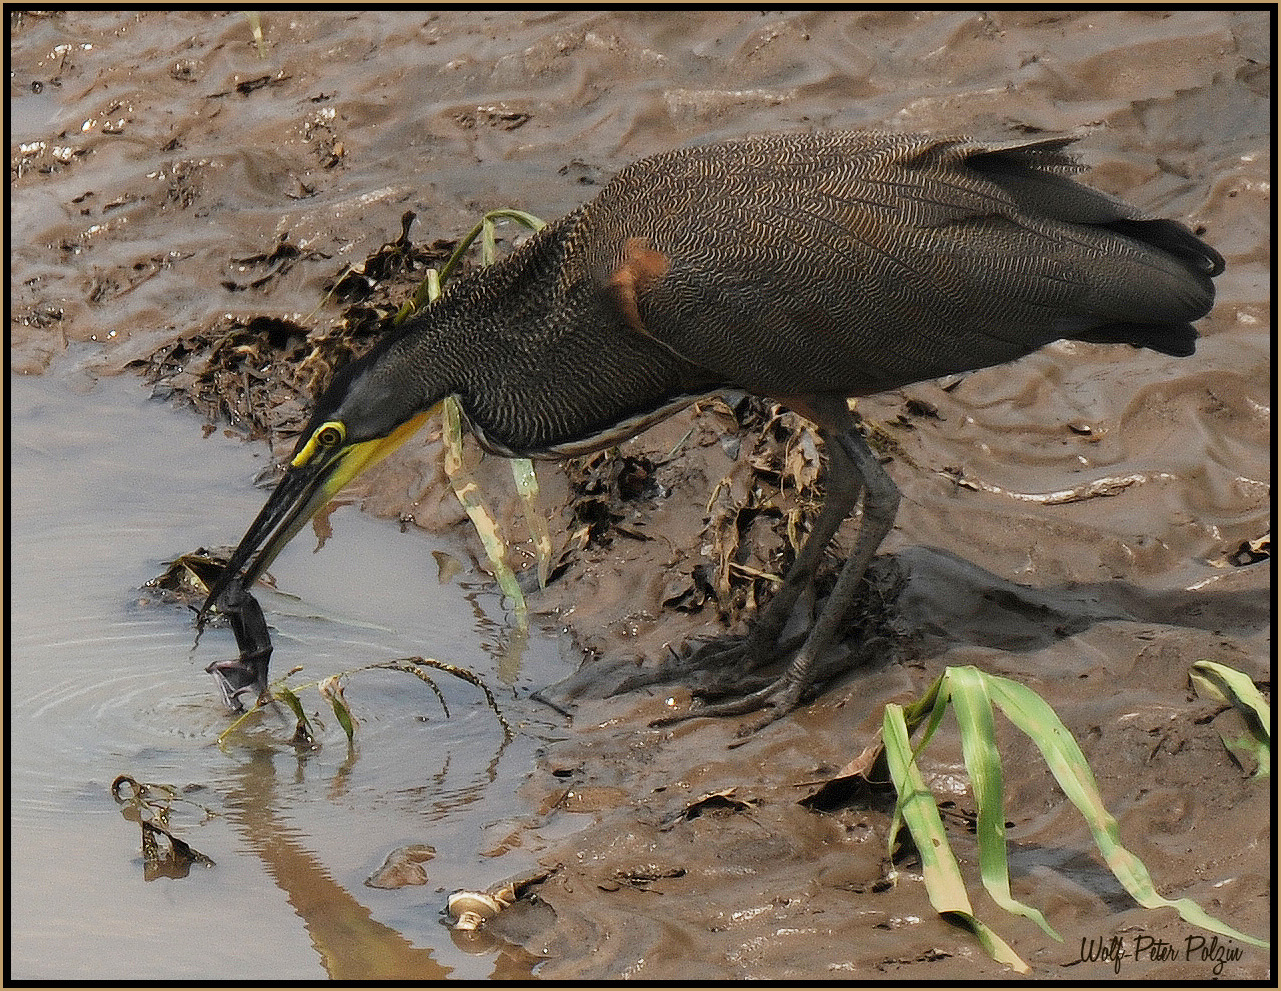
x,y
853,466
728,662
737,660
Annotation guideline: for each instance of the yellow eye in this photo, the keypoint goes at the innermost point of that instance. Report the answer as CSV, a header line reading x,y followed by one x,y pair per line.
x,y
327,438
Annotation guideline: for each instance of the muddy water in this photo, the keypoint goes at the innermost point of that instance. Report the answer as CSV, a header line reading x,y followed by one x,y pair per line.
x,y
153,154
105,681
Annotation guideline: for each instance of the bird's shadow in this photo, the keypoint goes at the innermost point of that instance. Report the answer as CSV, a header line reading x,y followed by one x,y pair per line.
x,y
922,602
946,601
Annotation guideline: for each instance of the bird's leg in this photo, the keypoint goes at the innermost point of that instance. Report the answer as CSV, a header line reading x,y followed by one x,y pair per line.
x,y
736,661
728,662
880,504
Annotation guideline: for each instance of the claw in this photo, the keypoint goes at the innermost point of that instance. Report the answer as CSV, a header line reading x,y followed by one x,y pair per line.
x,y
774,701
735,660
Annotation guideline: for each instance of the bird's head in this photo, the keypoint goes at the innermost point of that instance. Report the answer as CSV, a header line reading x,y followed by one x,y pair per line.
x,y
364,415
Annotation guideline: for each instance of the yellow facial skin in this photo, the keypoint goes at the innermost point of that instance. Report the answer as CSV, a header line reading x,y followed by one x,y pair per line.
x,y
358,457
323,466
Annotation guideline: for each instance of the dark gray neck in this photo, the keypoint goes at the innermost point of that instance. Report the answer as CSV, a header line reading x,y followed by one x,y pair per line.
x,y
538,357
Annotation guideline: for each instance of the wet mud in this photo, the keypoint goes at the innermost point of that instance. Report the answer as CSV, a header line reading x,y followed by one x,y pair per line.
x,y
1088,521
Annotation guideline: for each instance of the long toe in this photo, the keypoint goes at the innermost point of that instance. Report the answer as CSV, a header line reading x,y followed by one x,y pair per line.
x,y
714,668
729,664
772,702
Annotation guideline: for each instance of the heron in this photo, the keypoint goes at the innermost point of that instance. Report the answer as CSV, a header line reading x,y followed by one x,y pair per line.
x,y
810,269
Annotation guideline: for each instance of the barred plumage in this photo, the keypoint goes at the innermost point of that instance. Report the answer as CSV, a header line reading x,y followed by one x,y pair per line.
x,y
808,268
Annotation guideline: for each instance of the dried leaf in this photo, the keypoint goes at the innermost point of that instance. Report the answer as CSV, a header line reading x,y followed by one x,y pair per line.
x,y
331,688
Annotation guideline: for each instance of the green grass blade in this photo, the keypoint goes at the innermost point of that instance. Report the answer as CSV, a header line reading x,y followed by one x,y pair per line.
x,y
527,487
520,216
455,259
302,732
918,811
932,705
1218,681
522,468
468,494
451,264
1238,688
1033,716
331,688
488,245
943,880
428,290
914,713
973,708
940,697
465,488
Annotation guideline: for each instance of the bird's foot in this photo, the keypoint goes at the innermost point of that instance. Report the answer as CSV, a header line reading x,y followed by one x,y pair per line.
x,y
714,668
771,702
730,664
777,696
674,667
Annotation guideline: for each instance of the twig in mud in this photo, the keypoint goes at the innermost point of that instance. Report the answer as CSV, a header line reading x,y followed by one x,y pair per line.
x,y
1109,486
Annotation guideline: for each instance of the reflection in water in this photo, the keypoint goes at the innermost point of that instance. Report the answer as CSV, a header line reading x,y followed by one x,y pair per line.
x,y
164,854
351,943
105,682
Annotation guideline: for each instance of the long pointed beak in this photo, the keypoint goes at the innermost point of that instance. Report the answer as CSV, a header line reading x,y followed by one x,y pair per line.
x,y
296,499
312,479
303,490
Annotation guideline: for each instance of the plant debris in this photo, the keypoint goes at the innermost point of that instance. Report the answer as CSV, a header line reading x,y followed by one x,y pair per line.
x,y
188,578
262,372
149,805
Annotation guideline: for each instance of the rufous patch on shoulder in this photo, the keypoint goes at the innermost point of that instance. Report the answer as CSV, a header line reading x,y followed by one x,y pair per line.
x,y
642,267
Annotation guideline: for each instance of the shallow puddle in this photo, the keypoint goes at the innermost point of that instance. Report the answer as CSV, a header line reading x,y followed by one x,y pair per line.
x,y
106,486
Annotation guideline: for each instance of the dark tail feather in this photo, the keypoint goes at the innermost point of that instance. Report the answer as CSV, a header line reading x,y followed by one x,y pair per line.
x,y
1174,239
1176,340
1037,176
